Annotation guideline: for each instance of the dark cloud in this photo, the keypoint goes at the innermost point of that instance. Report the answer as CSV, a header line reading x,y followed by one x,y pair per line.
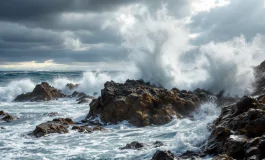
x,y
69,31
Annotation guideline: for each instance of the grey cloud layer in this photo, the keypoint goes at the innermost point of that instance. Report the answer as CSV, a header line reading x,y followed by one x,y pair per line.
x,y
241,17
38,30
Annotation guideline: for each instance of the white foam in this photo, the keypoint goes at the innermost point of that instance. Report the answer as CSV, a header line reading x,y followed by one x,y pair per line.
x,y
14,88
158,43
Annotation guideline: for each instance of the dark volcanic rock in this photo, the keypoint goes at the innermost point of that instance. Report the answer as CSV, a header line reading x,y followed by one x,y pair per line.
x,y
239,131
59,125
142,104
87,129
6,116
163,155
82,129
138,146
81,97
71,86
223,157
134,145
42,92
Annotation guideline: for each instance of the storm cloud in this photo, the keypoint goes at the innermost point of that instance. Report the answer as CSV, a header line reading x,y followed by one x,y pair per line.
x,y
80,31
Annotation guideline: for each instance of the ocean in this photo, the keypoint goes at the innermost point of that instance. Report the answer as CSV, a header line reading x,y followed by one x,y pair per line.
x,y
179,136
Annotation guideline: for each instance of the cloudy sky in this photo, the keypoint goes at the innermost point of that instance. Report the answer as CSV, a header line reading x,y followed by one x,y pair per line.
x,y
87,34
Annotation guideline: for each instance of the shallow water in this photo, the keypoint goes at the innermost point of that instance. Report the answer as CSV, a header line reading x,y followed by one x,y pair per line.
x,y
178,136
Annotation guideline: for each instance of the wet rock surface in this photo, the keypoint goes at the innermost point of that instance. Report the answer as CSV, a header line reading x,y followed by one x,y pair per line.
x,y
81,97
163,155
6,117
42,92
239,132
59,125
87,129
142,104
138,146
71,86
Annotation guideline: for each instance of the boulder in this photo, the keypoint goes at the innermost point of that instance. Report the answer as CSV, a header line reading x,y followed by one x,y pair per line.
x,y
163,155
59,125
86,129
6,116
134,145
138,146
42,92
222,157
71,86
142,104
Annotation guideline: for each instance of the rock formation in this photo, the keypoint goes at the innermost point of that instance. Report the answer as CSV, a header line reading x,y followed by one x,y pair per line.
x,y
142,104
42,92
239,132
58,125
6,117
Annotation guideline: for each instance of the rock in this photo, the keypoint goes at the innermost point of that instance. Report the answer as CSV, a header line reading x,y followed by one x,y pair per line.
x,y
99,128
142,104
71,86
78,94
42,92
6,116
138,146
82,129
157,144
223,157
2,113
87,129
193,155
82,101
59,125
81,97
2,128
239,131
134,145
163,155
235,147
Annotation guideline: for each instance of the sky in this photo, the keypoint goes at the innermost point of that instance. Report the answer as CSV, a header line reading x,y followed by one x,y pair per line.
x,y
89,34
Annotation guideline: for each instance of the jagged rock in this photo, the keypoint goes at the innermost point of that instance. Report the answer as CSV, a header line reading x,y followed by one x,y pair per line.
x,y
87,129
223,157
6,116
134,145
42,92
84,99
138,146
81,97
191,155
82,129
59,125
163,155
71,86
239,131
78,94
142,104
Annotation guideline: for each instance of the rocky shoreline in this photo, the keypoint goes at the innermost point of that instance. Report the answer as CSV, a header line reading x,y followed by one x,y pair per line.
x,y
238,133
